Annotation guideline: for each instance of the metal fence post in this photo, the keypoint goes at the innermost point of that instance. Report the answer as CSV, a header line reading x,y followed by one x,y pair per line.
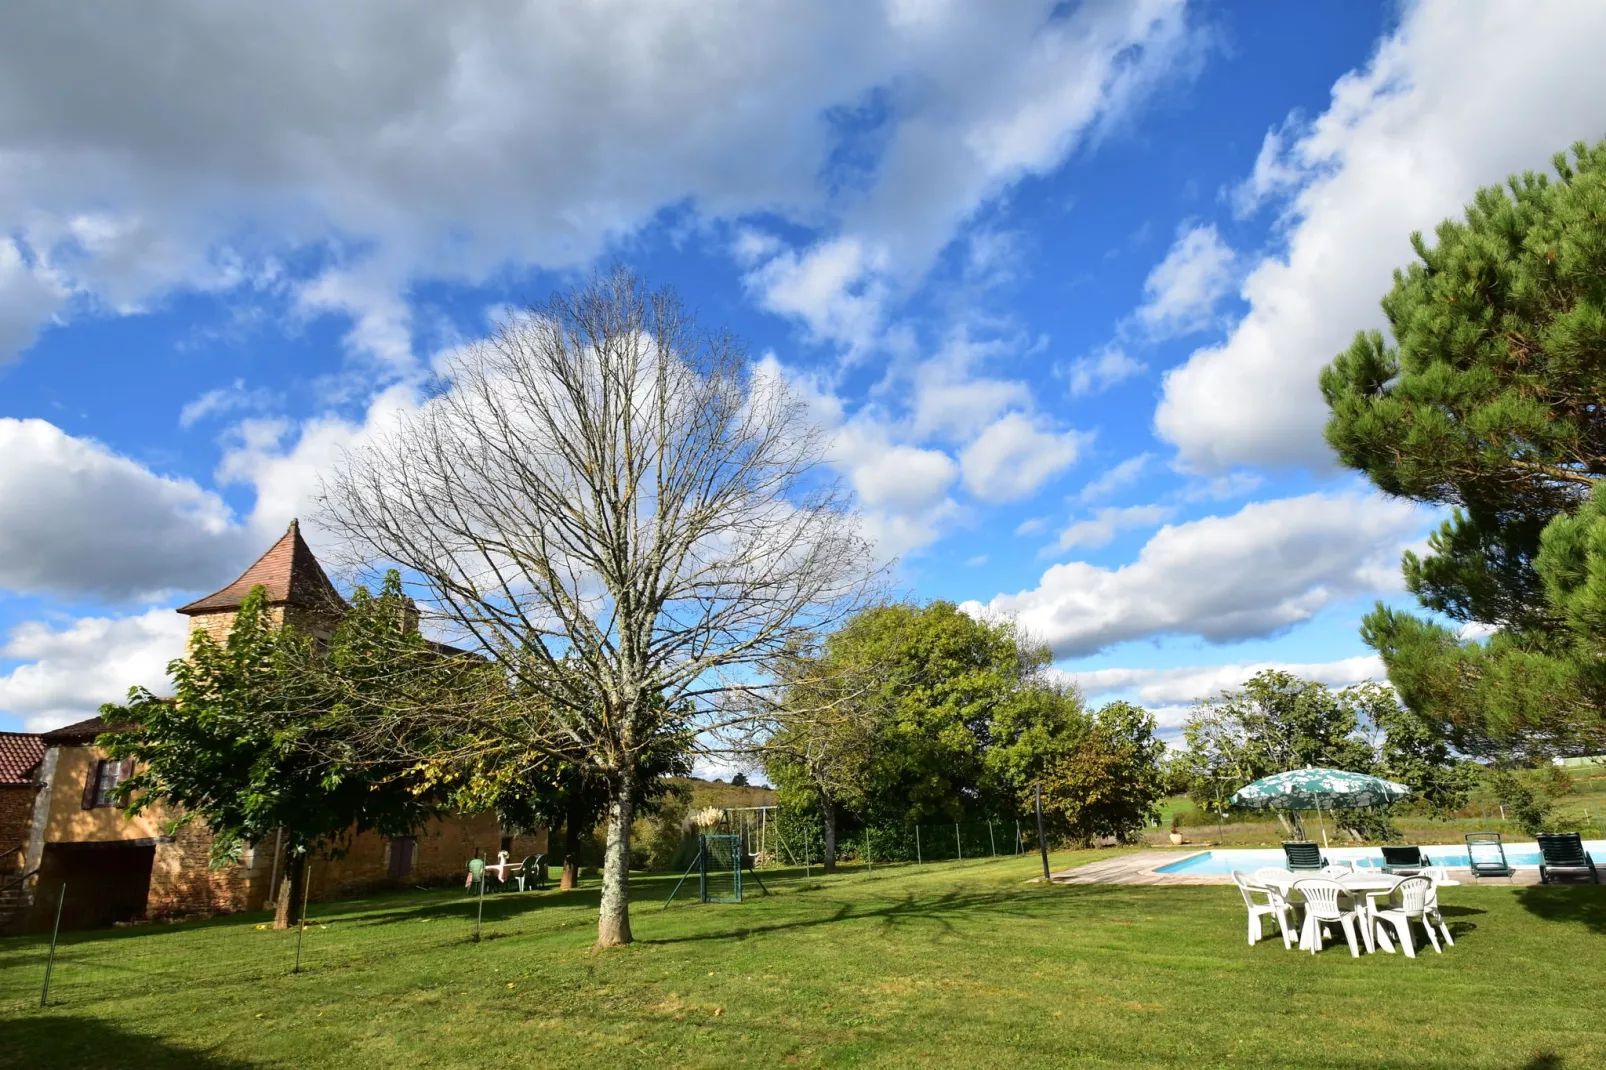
x,y
958,847
306,892
479,913
50,963
991,842
918,860
1042,837
868,868
1017,836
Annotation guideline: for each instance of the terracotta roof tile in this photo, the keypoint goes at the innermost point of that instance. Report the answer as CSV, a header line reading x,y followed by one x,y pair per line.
x,y
19,753
80,732
288,572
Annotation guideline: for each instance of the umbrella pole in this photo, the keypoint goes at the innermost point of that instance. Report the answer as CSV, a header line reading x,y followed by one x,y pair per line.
x,y
1322,823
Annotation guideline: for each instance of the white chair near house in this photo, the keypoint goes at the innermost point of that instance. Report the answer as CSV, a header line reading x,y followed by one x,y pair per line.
x,y
1275,907
1329,903
1405,906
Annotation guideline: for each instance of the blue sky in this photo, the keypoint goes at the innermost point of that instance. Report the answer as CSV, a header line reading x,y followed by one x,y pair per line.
x,y
1058,277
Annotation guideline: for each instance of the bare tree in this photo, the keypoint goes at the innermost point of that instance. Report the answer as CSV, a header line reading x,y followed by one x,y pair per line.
x,y
624,518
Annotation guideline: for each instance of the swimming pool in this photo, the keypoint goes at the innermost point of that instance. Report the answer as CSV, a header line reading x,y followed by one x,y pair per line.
x,y
1220,863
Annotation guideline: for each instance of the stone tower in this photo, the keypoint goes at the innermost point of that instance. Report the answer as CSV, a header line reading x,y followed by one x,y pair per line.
x,y
298,590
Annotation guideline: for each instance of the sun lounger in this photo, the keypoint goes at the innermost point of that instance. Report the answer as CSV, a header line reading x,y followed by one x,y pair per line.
x,y
1303,855
1563,853
1404,860
1486,855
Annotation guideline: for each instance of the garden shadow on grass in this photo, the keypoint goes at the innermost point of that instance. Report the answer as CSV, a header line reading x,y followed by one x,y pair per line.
x,y
49,1041
1584,904
942,909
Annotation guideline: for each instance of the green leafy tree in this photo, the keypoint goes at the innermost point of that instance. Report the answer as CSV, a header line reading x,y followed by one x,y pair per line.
x,y
1408,750
910,714
1275,722
245,747
1490,400
1108,782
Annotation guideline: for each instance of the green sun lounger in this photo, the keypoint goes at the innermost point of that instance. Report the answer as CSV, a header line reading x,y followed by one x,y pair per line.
x,y
1486,855
1403,859
1563,853
1303,855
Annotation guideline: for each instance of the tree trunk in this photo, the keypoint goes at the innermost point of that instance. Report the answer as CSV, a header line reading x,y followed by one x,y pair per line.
x,y
287,909
613,921
571,846
829,861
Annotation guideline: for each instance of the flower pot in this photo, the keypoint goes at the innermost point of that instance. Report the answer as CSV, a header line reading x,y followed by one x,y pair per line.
x,y
1176,837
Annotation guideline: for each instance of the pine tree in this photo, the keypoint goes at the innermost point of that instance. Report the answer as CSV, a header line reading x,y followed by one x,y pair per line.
x,y
1490,401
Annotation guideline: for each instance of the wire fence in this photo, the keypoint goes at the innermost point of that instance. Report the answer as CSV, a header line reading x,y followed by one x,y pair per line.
x,y
47,967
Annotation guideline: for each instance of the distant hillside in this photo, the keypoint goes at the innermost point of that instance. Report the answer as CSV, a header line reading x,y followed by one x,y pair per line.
x,y
718,793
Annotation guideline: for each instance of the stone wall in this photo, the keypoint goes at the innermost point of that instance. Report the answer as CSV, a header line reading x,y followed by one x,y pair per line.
x,y
16,819
444,847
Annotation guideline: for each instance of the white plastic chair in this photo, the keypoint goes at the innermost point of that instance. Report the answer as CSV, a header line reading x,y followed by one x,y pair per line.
x,y
1406,904
1275,907
1273,877
1329,903
1437,874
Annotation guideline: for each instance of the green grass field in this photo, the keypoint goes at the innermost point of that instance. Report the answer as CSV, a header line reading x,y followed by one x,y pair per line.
x,y
947,966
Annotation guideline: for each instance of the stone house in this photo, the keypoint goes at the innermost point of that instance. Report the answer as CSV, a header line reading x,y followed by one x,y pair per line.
x,y
118,868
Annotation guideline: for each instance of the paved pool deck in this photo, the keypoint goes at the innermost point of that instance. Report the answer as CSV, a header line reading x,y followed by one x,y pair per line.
x,y
1140,867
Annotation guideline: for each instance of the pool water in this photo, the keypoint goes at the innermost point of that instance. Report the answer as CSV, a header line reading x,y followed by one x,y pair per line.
x,y
1220,863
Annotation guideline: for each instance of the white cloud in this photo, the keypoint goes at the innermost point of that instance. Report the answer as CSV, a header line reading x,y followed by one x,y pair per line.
x,y
950,398
69,672
448,141
1031,526
1096,374
983,97
28,298
1265,568
1016,456
223,400
900,478
1181,293
1101,528
1458,97
835,288
1117,477
976,561
1186,684
78,520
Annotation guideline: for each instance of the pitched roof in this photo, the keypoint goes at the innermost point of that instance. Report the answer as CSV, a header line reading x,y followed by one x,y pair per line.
x,y
80,732
19,753
288,572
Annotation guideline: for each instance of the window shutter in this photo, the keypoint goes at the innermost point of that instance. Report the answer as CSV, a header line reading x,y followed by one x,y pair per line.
x,y
127,770
91,784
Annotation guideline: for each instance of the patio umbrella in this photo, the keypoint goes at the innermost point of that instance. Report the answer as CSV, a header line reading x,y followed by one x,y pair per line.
x,y
1318,789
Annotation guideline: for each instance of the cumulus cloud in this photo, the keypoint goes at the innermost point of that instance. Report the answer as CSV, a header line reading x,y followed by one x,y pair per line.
x,y
1015,456
1458,97
1187,684
982,97
78,520
1265,568
71,670
1106,368
1181,293
446,141
1101,528
1117,477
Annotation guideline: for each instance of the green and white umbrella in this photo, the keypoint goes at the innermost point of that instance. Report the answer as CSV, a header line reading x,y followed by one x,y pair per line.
x,y
1318,789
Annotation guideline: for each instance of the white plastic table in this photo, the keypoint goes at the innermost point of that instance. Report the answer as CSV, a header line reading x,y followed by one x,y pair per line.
x,y
1367,885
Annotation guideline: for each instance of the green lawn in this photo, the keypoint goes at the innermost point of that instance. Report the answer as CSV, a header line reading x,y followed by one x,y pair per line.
x,y
957,965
